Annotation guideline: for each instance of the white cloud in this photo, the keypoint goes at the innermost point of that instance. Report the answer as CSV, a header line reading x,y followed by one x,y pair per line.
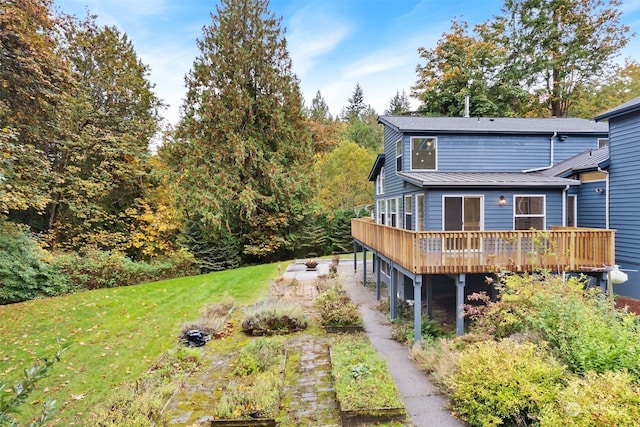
x,y
312,33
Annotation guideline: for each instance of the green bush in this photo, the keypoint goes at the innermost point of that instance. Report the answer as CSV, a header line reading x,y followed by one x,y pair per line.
x,y
24,274
260,355
504,382
337,309
582,330
108,269
595,400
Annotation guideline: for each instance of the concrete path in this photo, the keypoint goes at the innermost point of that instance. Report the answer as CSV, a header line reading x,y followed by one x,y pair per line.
x,y
425,405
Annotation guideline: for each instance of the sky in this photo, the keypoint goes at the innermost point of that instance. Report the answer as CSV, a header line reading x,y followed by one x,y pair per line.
x,y
333,44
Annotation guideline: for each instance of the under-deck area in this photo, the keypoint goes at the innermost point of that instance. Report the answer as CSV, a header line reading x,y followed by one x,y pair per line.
x,y
420,255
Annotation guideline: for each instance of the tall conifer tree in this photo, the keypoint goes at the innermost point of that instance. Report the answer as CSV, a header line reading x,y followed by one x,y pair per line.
x,y
245,150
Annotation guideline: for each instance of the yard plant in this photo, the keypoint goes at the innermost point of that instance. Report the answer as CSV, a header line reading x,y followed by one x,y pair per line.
x,y
362,380
548,352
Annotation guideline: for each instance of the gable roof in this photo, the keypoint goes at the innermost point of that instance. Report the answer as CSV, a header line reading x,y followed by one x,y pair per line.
x,y
493,125
621,109
589,160
485,179
377,167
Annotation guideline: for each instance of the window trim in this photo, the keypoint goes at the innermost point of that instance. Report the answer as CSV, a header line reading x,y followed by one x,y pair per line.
x,y
380,182
544,209
399,155
435,149
408,213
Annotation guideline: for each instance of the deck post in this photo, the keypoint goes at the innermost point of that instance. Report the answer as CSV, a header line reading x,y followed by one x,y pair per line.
x,y
417,308
393,293
378,278
459,304
355,256
429,295
364,266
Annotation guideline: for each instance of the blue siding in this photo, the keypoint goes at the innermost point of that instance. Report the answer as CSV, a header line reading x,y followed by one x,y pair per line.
x,y
592,205
495,217
493,153
624,152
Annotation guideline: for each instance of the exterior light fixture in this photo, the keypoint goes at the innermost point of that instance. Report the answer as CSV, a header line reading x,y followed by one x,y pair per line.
x,y
502,201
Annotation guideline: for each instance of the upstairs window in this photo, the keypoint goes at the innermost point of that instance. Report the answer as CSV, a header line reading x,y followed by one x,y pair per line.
x,y
380,182
423,153
603,142
529,212
399,156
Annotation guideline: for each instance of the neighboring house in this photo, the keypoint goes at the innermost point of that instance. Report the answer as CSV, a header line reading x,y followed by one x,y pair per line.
x,y
456,199
623,196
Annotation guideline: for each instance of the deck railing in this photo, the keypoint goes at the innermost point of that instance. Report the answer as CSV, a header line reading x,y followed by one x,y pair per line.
x,y
444,252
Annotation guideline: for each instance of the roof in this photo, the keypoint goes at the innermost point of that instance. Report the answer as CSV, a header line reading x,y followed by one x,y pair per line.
x,y
493,124
377,167
485,179
586,161
621,109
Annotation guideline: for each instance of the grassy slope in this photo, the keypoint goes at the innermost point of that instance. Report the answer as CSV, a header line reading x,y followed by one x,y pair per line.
x,y
116,334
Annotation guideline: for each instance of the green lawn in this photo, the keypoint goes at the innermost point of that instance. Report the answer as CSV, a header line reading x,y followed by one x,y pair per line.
x,y
115,334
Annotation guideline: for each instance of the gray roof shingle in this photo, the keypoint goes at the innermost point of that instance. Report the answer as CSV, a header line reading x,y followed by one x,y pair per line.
x,y
587,160
493,125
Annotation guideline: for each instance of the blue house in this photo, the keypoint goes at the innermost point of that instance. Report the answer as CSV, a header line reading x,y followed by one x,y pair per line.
x,y
456,199
623,190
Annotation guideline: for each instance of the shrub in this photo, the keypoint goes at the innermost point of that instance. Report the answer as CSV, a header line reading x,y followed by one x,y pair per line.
x,y
504,382
212,321
260,355
108,269
24,274
12,398
437,358
609,399
274,317
337,309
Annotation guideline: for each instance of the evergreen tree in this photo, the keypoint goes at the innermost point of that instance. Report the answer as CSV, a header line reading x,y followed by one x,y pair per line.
x,y
245,164
319,110
398,105
356,106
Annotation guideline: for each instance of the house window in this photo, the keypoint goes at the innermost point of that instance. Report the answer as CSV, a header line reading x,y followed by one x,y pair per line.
x,y
423,153
603,142
420,212
408,212
393,212
380,182
399,156
382,211
529,212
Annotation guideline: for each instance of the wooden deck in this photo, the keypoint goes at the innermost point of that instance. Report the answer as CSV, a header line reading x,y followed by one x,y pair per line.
x,y
452,252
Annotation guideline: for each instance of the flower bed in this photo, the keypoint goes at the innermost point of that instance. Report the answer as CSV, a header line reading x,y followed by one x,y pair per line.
x,y
364,388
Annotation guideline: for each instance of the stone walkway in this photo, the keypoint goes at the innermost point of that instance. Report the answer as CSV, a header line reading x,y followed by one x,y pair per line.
x,y
309,397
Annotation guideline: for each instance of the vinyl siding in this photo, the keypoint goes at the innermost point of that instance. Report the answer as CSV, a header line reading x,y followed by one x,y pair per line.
x,y
493,153
592,205
624,149
495,217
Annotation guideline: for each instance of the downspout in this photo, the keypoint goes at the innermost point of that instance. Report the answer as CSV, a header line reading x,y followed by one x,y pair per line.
x,y
606,195
551,146
564,205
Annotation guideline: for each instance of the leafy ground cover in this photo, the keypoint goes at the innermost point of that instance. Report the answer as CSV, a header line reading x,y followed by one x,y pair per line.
x,y
115,334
